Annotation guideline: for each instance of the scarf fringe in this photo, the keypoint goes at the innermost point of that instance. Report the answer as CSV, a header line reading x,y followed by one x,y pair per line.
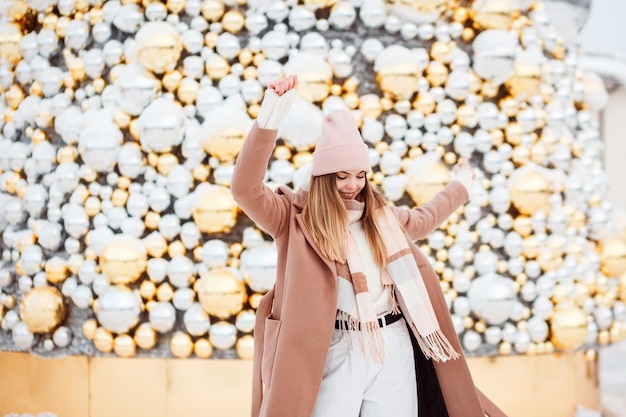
x,y
369,336
395,306
436,346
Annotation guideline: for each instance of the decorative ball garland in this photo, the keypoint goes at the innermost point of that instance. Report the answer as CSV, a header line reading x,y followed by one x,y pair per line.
x,y
121,121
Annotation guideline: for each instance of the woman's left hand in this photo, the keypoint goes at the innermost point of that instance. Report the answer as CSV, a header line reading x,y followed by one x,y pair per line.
x,y
464,164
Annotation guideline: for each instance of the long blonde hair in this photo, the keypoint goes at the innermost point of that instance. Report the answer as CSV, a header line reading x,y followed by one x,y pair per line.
x,y
326,218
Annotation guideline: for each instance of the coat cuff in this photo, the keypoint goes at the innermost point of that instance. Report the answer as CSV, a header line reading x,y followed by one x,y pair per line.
x,y
274,108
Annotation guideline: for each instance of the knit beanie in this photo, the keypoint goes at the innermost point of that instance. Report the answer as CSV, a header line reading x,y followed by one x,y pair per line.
x,y
341,147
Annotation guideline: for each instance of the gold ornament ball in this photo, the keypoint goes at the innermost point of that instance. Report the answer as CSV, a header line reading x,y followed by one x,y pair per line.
x,y
89,328
569,327
399,80
531,247
158,46
92,205
176,248
42,309
147,289
202,348
166,162
370,106
216,67
613,256
531,192
421,187
201,173
245,347
172,80
103,340
233,21
526,80
10,37
425,102
151,220
212,10
314,86
505,348
156,246
188,91
145,336
436,73
123,260
255,299
221,293
14,96
181,345
56,269
604,337
215,211
124,346
617,331
165,292
513,133
225,144
494,14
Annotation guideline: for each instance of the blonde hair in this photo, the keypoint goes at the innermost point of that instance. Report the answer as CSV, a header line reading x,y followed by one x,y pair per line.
x,y
326,218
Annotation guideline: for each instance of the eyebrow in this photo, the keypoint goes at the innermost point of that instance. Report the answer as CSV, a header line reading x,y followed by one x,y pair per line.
x,y
347,173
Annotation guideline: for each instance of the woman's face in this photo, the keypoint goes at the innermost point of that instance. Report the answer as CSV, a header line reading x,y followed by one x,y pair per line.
x,y
350,183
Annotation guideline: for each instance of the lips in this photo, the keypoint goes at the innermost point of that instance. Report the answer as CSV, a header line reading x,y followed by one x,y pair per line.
x,y
347,196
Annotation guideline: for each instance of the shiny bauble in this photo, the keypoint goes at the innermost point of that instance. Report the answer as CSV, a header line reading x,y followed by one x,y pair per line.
x,y
42,309
568,326
221,293
158,46
425,178
118,309
531,192
492,297
258,265
613,256
123,259
214,210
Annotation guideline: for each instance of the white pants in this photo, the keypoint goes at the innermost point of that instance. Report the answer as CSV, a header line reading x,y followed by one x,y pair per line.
x,y
354,386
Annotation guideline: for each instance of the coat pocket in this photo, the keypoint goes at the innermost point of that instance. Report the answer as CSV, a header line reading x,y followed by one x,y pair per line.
x,y
272,328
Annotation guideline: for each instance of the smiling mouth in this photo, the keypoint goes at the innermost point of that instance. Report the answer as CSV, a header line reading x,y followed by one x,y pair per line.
x,y
347,196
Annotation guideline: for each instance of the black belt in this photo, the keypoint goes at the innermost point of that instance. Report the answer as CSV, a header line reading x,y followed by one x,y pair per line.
x,y
382,321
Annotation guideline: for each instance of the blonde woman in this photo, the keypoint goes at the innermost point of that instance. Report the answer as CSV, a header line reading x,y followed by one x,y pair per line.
x,y
356,325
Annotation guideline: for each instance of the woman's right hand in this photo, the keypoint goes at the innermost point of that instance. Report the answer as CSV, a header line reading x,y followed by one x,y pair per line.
x,y
283,85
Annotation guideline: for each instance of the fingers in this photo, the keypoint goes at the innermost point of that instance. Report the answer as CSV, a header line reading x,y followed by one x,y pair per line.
x,y
464,163
283,85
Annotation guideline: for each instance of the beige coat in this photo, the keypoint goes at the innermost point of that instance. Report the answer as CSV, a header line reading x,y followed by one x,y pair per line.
x,y
295,320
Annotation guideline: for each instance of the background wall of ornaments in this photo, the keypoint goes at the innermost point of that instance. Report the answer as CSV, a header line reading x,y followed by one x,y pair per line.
x,y
122,119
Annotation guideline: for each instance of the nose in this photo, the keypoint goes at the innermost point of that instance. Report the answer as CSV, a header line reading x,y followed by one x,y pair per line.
x,y
352,184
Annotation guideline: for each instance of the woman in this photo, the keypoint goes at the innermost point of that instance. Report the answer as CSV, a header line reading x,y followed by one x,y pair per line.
x,y
357,311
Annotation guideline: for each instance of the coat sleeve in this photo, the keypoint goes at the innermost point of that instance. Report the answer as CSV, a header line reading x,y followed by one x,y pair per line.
x,y
264,207
423,220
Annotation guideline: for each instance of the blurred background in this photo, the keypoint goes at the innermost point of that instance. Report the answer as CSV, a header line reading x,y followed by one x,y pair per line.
x,y
128,271
604,36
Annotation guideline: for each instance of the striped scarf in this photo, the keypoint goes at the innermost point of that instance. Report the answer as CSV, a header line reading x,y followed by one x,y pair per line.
x,y
406,286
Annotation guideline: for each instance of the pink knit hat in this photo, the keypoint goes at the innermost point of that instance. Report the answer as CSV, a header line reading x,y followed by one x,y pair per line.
x,y
341,147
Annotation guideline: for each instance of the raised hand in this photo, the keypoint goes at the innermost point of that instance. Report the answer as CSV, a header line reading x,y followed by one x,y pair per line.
x,y
464,164
283,85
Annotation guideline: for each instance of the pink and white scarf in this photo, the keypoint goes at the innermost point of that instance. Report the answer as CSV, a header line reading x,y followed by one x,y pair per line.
x,y
406,285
